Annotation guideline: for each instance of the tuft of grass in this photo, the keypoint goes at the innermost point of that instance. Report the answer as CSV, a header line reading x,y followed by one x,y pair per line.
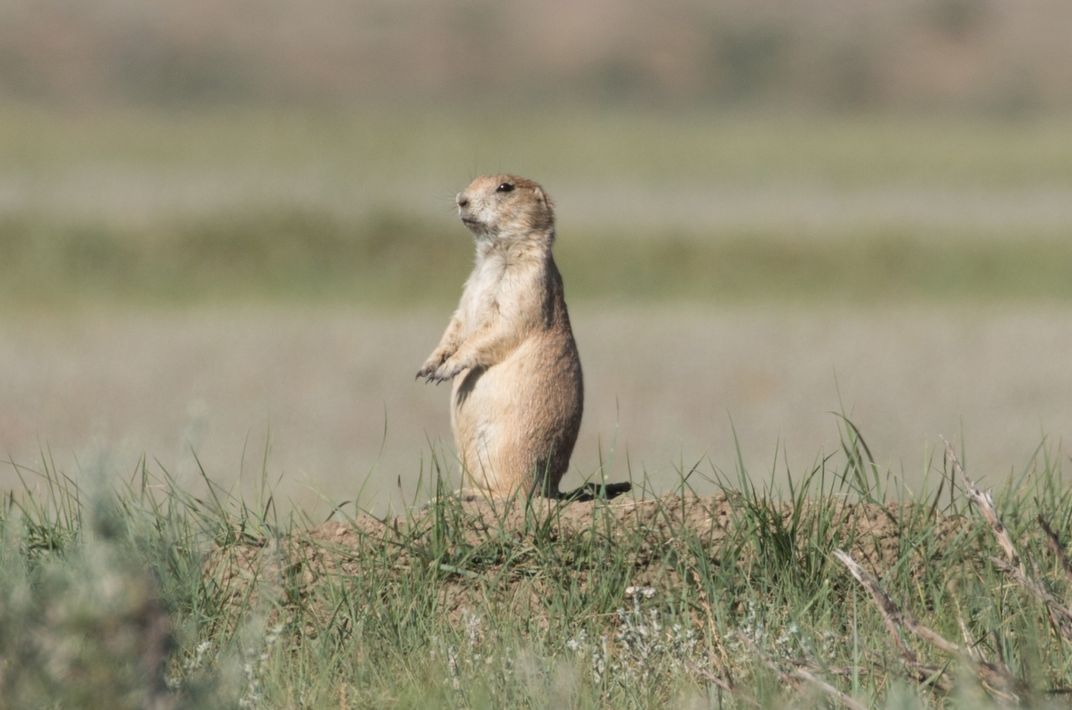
x,y
132,592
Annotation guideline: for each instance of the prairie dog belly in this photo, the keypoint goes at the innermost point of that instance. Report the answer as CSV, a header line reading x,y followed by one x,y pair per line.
x,y
515,422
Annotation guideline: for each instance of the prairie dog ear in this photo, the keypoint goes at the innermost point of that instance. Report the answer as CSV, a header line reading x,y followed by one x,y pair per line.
x,y
542,197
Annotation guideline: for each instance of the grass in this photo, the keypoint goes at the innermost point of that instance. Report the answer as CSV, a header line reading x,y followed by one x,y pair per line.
x,y
133,593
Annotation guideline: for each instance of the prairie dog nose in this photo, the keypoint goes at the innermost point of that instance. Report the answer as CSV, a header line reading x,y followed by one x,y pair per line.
x,y
463,201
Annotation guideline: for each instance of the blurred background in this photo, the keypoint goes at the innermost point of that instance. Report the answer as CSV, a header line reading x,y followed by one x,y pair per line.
x,y
228,229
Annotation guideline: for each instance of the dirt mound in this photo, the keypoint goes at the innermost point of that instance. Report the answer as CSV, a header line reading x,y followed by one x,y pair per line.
x,y
515,553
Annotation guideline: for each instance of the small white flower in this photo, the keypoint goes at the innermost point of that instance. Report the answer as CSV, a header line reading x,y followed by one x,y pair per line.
x,y
577,642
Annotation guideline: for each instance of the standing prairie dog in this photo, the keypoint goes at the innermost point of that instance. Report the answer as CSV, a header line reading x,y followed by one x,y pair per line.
x,y
518,394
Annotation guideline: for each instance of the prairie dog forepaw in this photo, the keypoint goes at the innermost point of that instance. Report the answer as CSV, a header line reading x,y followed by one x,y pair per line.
x,y
431,365
448,370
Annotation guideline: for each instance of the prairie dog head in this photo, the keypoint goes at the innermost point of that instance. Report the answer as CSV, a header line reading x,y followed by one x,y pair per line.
x,y
506,207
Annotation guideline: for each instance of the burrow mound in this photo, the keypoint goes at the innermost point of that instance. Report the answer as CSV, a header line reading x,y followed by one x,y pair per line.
x,y
511,552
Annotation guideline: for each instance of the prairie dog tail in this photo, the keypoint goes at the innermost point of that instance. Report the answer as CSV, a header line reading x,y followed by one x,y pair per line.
x,y
596,491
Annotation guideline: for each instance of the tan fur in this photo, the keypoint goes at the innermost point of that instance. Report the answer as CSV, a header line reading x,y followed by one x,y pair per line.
x,y
517,394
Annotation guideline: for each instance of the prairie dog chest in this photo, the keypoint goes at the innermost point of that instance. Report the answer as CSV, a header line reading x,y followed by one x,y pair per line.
x,y
491,291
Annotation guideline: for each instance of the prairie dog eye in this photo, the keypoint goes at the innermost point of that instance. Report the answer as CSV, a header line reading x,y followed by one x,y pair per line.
x,y
505,187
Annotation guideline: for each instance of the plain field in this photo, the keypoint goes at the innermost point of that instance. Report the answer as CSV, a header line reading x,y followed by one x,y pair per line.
x,y
666,388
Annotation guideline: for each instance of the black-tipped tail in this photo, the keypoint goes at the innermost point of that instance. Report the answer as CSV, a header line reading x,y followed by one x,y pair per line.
x,y
596,491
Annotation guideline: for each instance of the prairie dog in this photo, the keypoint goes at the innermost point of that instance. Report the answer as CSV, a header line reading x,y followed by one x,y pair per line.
x,y
518,393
